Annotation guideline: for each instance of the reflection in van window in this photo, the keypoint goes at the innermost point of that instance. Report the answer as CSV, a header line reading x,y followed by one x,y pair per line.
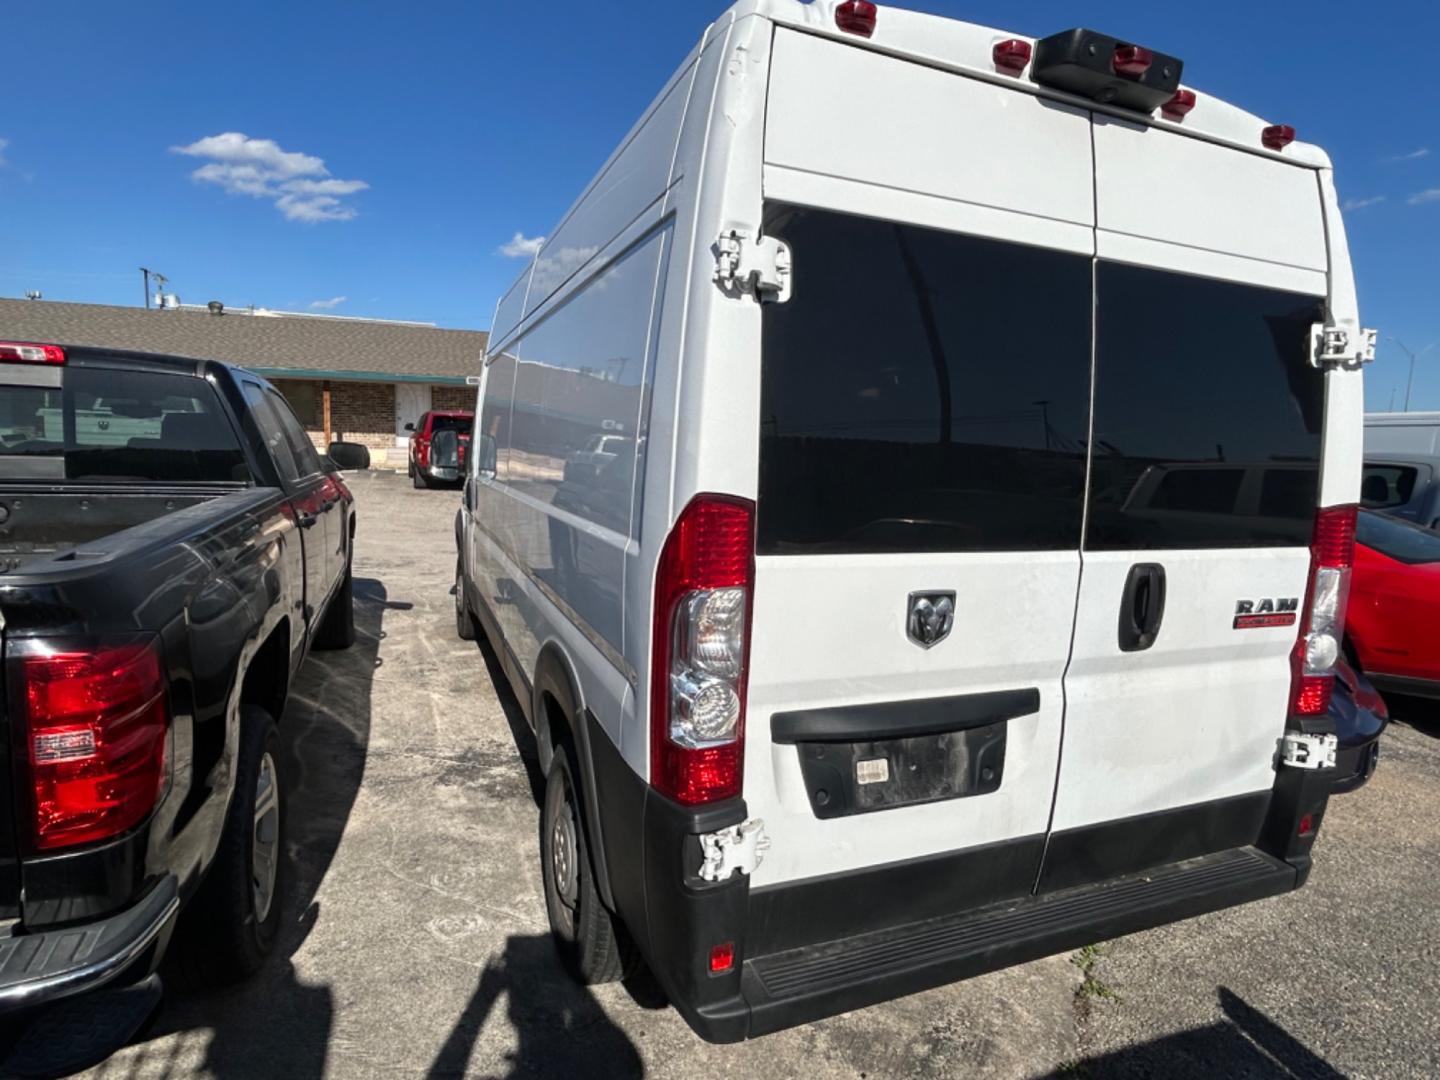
x,y
1207,413
922,391
579,394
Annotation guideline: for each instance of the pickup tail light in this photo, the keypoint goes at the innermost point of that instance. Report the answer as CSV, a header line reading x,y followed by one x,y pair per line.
x,y
24,352
1332,554
97,731
704,588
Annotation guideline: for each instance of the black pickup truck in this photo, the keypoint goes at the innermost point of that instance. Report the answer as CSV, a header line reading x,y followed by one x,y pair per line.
x,y
171,547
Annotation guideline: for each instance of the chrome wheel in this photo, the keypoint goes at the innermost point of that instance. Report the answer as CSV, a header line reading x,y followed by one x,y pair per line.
x,y
265,839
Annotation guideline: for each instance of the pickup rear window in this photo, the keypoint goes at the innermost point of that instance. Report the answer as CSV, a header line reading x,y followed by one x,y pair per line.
x,y
116,426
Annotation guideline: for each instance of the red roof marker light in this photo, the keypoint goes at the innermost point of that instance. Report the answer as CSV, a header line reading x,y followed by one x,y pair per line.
x,y
24,352
1132,61
1278,136
1179,106
856,17
1012,55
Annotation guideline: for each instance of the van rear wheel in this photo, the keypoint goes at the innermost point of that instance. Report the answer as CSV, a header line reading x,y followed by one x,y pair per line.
x,y
592,942
464,621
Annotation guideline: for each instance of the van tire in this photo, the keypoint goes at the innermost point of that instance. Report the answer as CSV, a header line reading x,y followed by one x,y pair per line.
x,y
222,937
593,943
464,620
337,629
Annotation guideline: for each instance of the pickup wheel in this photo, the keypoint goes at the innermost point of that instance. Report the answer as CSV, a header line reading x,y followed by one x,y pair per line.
x,y
464,621
418,478
337,629
229,928
592,942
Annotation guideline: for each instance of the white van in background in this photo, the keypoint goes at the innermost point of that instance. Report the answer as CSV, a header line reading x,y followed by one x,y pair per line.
x,y
913,498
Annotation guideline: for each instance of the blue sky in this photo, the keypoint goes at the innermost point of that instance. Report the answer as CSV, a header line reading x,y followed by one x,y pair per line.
x,y
411,143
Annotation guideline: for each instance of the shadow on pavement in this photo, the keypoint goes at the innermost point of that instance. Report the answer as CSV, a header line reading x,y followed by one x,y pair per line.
x,y
1247,1043
1422,714
560,1028
273,1024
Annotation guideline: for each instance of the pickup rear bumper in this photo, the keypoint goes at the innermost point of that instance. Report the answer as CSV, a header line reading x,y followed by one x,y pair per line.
x,y
39,968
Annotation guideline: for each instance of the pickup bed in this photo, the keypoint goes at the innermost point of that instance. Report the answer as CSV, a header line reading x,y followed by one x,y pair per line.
x,y
171,547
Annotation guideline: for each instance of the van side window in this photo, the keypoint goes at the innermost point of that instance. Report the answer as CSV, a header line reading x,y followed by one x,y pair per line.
x,y
1207,413
922,391
579,393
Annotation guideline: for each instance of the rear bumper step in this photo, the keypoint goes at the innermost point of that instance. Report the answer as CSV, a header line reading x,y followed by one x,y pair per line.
x,y
802,985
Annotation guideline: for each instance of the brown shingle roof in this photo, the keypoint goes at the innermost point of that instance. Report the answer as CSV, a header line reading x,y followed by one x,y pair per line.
x,y
291,343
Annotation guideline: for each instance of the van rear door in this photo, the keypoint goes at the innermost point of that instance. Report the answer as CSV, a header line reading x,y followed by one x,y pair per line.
x,y
923,416
1203,489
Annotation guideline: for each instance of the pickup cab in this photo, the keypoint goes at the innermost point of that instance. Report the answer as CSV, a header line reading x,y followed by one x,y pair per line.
x,y
171,548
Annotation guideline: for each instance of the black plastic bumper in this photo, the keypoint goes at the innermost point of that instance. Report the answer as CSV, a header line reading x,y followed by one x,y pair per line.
x,y
39,968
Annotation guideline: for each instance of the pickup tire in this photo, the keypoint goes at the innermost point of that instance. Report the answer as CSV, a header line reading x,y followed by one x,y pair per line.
x,y
593,943
230,925
464,620
418,478
337,629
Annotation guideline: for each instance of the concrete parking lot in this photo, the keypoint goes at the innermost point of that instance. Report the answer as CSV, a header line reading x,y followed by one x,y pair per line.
x,y
415,939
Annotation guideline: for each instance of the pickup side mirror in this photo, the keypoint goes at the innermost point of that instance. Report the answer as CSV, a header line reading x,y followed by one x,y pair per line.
x,y
349,455
409,427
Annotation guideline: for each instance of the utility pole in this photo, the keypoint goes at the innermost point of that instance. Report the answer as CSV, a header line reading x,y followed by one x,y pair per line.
x,y
1412,355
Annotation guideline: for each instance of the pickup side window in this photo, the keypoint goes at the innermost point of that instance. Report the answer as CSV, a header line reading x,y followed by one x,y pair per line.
x,y
112,425
1384,486
303,450
276,444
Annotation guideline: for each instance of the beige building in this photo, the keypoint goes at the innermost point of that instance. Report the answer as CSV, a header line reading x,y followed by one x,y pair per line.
x,y
361,380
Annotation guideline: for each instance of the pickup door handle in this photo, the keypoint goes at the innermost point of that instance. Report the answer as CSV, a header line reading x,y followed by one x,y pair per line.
x,y
1142,607
306,521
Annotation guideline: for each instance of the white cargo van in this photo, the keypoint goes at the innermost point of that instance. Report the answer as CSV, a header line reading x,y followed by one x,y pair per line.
x,y
913,501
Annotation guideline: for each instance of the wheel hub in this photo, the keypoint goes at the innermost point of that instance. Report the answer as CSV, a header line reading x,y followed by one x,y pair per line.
x,y
563,852
265,839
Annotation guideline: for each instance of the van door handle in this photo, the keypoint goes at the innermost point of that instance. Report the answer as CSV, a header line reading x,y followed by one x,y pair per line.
x,y
1142,607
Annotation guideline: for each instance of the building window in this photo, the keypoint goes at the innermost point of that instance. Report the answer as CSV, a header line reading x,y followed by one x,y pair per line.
x,y
304,399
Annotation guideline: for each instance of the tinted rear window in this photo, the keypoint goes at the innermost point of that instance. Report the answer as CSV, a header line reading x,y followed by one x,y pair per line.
x,y
922,391
1207,413
1387,485
118,426
459,424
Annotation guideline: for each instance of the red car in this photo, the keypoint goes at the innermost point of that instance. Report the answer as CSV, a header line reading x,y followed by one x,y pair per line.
x,y
1394,607
439,460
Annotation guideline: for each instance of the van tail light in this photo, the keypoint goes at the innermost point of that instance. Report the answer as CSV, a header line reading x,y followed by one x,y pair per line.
x,y
856,17
97,728
23,352
704,587
1332,554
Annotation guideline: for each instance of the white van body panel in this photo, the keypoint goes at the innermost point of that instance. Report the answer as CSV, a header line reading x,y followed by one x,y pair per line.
x,y
1402,433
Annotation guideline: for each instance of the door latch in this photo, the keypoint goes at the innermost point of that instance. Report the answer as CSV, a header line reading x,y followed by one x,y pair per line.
x,y
740,847
1332,346
760,267
1301,751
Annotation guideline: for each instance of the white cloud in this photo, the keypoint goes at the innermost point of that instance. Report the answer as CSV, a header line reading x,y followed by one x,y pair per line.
x,y
300,185
522,246
1426,196
1360,204
557,268
1413,155
328,305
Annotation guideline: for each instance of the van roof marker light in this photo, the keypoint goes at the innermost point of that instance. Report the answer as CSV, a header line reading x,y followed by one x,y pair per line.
x,y
1012,56
856,17
1179,106
1277,136
1132,61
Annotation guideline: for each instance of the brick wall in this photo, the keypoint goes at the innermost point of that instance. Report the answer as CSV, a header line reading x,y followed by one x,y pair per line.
x,y
452,397
363,412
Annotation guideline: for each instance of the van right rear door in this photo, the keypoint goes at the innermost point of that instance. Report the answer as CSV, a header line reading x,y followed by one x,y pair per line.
x,y
1206,453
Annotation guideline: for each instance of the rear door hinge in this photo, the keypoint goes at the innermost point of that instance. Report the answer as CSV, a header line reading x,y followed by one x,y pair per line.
x,y
1301,751
740,847
1334,346
758,266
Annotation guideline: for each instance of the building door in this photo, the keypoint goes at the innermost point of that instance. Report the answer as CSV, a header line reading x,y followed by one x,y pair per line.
x,y
412,401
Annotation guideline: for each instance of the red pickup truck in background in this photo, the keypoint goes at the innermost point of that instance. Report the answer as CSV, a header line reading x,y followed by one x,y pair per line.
x,y
438,443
